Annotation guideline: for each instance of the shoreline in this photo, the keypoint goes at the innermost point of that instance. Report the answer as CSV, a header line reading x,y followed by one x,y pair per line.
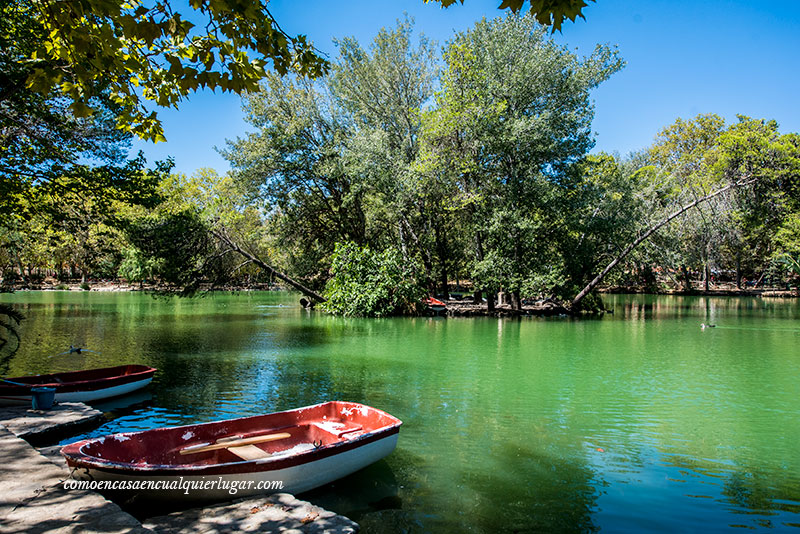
x,y
720,290
455,307
772,292
123,287
547,308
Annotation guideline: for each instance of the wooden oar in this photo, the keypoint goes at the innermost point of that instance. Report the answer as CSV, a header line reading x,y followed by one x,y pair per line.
x,y
235,443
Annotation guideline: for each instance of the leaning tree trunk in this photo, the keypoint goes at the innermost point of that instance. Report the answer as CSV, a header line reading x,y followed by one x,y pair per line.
x,y
224,237
650,231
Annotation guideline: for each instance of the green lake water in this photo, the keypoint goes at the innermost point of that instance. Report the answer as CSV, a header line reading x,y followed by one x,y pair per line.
x,y
636,422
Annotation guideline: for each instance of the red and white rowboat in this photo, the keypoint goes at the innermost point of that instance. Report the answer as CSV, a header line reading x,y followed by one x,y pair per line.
x,y
292,451
78,386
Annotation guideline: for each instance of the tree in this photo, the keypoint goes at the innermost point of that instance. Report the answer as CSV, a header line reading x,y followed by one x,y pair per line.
x,y
576,302
155,53
383,90
683,153
330,160
136,267
735,231
293,168
600,213
514,114
195,239
749,159
182,244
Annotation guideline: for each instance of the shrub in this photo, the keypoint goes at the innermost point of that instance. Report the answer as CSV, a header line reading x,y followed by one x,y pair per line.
x,y
366,283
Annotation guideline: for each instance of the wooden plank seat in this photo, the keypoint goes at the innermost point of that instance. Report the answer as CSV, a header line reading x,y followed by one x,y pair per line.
x,y
337,430
248,452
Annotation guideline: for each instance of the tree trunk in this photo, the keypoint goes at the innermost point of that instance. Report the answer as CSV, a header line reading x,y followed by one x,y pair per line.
x,y
490,300
403,247
599,278
441,252
706,276
516,301
738,272
476,297
687,278
21,270
223,235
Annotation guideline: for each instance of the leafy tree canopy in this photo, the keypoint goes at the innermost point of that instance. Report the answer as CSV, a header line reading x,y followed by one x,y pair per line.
x,y
153,53
547,12
181,244
48,151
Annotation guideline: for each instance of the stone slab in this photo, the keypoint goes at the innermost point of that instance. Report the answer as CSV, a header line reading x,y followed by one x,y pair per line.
x,y
33,499
53,453
42,425
279,512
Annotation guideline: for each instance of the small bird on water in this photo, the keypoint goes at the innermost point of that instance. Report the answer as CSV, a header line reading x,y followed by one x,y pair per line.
x,y
703,326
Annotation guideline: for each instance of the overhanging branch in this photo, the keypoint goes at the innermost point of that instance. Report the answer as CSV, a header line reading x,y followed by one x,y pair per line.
x,y
224,237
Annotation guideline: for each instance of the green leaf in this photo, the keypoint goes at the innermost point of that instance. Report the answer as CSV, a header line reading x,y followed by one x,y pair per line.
x,y
81,110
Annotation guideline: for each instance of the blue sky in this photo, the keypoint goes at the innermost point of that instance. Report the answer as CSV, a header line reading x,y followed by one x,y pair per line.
x,y
683,58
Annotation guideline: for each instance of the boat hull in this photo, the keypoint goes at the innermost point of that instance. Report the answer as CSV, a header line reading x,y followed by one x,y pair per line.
x,y
293,451
294,479
79,386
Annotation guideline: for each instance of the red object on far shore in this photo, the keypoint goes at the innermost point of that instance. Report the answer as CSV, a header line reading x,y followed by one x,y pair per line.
x,y
432,302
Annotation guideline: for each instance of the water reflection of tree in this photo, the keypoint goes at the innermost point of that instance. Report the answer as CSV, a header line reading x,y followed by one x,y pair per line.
x,y
763,494
538,492
649,307
755,494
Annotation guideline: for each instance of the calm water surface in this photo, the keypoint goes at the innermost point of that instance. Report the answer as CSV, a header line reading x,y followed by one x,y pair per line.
x,y
636,422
